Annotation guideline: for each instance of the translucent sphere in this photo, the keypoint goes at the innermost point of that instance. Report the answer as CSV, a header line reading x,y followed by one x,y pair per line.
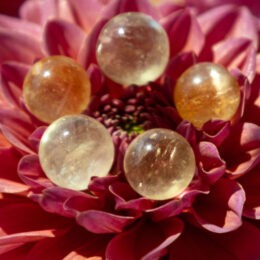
x,y
206,91
132,49
159,164
56,86
75,148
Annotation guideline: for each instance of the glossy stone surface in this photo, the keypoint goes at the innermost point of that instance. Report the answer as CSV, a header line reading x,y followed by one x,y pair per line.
x,y
75,148
132,49
56,86
206,91
159,164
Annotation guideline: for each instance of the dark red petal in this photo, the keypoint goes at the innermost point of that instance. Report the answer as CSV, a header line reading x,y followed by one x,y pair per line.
x,y
12,77
242,243
237,53
145,240
72,238
241,150
9,180
251,184
16,127
33,218
29,170
100,222
62,38
87,53
18,47
211,165
220,211
184,32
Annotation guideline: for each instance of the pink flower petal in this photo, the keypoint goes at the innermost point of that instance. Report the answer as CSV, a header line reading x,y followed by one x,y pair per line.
x,y
251,184
30,172
211,165
62,38
122,6
87,53
220,211
9,181
18,25
18,47
216,132
40,12
144,240
241,150
184,32
127,200
12,77
16,127
175,206
100,222
237,53
87,13
242,243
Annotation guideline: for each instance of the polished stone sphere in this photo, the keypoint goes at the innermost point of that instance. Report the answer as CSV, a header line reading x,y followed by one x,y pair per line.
x,y
159,164
132,49
75,148
56,86
206,91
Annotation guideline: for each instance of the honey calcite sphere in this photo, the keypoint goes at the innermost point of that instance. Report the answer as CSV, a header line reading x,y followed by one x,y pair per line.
x,y
75,148
206,91
132,49
159,164
56,86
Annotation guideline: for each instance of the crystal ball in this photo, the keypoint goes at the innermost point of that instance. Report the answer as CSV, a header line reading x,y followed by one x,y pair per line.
x,y
132,48
73,149
159,164
206,91
56,86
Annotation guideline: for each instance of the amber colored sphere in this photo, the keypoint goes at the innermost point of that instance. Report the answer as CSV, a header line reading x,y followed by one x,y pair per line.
x,y
56,86
159,164
206,91
132,49
75,148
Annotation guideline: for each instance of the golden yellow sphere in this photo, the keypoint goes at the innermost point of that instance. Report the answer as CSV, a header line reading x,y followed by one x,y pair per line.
x,y
132,49
206,91
56,86
159,164
75,148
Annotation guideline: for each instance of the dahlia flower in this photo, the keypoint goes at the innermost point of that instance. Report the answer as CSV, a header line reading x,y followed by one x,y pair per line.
x,y
216,217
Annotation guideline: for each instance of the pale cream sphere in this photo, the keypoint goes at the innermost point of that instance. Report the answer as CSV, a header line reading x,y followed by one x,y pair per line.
x,y
75,148
132,48
159,164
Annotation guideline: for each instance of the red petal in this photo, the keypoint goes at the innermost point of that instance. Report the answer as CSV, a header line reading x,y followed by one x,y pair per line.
x,y
18,25
18,47
251,184
12,77
145,240
9,180
220,211
184,32
103,222
63,38
240,244
211,165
